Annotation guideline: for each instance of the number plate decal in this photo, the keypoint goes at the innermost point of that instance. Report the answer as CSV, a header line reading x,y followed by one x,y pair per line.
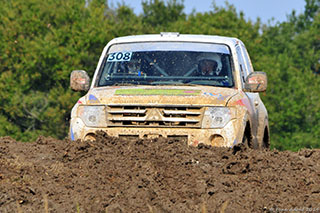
x,y
119,56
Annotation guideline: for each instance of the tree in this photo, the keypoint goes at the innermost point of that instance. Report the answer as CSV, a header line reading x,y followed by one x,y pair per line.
x,y
159,15
291,53
41,42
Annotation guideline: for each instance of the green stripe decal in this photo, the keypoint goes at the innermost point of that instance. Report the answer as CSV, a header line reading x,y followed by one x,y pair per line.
x,y
157,92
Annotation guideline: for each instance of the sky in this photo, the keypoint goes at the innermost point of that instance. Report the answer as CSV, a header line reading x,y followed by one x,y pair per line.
x,y
265,9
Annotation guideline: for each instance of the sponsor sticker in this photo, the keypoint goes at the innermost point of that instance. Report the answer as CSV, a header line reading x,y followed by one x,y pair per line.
x,y
157,92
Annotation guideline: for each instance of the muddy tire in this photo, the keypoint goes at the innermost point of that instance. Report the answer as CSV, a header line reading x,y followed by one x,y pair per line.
x,y
265,141
245,140
248,142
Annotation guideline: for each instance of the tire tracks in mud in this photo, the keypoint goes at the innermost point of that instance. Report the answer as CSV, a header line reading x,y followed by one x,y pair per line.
x,y
158,175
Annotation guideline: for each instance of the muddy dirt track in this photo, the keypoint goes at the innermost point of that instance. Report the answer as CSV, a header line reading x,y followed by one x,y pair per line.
x,y
132,175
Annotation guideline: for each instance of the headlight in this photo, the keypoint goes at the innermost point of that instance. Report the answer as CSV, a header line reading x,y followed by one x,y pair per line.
x,y
216,117
93,116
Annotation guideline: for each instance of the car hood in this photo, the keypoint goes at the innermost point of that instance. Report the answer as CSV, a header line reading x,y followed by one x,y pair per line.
x,y
159,95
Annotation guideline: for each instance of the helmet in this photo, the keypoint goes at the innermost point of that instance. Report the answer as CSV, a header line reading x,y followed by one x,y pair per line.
x,y
211,57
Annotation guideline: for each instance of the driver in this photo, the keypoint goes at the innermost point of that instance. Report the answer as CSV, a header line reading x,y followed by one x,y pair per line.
x,y
131,67
209,64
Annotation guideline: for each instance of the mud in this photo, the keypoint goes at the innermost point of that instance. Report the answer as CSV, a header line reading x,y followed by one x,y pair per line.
x,y
158,175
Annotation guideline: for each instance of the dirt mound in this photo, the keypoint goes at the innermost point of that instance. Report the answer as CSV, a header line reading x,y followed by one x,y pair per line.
x,y
132,175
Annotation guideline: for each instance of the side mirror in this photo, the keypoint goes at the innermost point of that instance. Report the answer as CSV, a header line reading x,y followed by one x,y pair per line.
x,y
256,82
79,80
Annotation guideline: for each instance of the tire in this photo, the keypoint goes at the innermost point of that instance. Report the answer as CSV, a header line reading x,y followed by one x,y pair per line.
x,y
265,141
248,142
245,140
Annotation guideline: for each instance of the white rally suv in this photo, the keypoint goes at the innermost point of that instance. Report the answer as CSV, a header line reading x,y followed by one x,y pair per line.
x,y
200,88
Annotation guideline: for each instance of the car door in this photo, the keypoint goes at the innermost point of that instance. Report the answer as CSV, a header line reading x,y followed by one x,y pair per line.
x,y
253,98
261,111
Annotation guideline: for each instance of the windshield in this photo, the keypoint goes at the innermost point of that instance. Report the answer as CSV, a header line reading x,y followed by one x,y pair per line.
x,y
167,63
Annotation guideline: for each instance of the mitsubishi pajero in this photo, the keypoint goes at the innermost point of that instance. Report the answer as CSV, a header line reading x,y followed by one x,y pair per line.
x,y
200,88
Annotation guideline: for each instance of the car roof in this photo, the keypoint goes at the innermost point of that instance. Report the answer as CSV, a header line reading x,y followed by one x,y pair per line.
x,y
173,36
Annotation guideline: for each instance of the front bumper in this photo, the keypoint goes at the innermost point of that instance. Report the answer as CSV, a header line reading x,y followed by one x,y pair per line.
x,y
220,137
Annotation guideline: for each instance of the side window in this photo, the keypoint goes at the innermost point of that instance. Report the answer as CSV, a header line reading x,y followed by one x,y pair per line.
x,y
242,66
247,59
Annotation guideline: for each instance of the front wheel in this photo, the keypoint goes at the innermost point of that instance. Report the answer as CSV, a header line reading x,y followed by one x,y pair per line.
x,y
248,142
245,140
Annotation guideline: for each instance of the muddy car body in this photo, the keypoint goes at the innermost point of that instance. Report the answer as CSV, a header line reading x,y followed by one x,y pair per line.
x,y
150,86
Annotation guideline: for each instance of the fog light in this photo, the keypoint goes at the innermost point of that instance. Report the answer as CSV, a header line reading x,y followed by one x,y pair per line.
x,y
217,140
90,137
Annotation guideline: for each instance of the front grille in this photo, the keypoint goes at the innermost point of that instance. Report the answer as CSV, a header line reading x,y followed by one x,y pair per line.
x,y
155,116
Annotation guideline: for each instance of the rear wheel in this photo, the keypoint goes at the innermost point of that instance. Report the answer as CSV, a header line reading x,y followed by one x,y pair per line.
x,y
266,140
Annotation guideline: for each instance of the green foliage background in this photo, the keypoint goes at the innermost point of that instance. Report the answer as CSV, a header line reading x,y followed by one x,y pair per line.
x,y
41,42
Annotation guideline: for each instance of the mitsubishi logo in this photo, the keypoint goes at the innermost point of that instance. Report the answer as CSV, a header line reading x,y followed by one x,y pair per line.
x,y
154,115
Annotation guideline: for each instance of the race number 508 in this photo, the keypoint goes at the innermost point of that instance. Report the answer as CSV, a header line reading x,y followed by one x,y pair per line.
x,y
119,56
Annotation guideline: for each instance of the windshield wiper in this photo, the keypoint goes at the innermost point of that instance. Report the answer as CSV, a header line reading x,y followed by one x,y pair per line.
x,y
173,83
123,84
166,83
